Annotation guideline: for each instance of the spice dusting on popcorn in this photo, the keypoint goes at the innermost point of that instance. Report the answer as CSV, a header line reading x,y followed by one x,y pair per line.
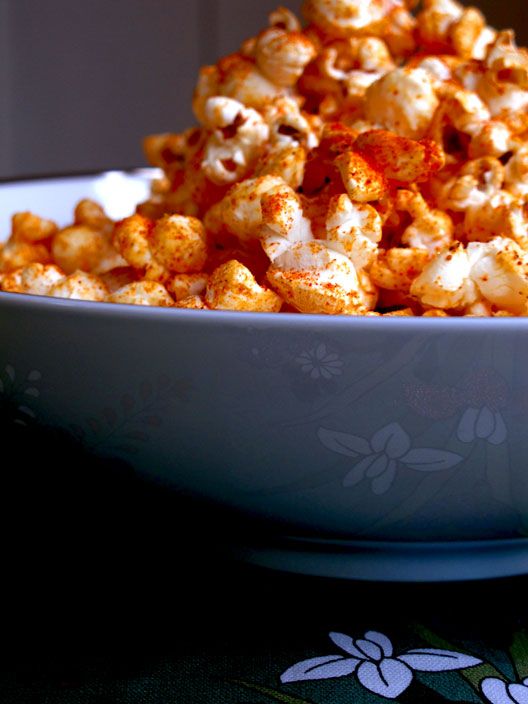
x,y
371,162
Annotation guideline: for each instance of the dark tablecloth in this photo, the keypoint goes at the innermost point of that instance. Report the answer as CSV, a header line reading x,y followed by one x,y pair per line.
x,y
117,591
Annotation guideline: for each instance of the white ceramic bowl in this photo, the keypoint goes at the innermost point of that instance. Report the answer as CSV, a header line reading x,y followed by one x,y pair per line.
x,y
373,448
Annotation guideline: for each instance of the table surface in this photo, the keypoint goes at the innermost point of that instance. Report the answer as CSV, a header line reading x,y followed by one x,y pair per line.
x,y
116,591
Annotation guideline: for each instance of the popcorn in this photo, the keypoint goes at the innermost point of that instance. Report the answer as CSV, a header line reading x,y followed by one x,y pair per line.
x,y
260,207
431,229
373,162
445,25
233,287
80,286
500,272
14,255
239,134
397,268
142,293
236,77
403,101
193,302
445,281
399,32
288,126
345,18
174,244
283,55
85,248
503,84
516,173
35,278
27,227
354,229
287,163
400,159
363,182
315,279
183,286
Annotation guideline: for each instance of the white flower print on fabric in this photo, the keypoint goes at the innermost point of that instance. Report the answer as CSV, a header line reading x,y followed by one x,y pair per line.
x,y
371,659
382,453
482,424
320,363
497,691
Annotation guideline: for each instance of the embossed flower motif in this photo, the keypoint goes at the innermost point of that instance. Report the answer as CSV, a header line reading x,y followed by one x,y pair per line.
x,y
497,691
372,660
481,396
482,424
319,362
19,392
381,455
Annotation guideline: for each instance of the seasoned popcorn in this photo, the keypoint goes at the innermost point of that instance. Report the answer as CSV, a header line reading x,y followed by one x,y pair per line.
x,y
232,286
373,162
142,293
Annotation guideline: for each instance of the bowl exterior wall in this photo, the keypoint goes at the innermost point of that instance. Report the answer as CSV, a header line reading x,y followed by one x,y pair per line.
x,y
343,428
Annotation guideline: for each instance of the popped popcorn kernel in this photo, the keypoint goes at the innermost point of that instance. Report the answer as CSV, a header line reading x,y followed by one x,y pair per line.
x,y
363,181
80,286
402,313
345,18
259,207
192,302
233,287
36,279
88,212
238,136
354,229
142,293
282,17
403,101
435,313
28,227
15,254
445,281
395,269
184,286
287,163
313,278
398,158
83,247
132,239
178,244
282,55
499,269
431,229
119,277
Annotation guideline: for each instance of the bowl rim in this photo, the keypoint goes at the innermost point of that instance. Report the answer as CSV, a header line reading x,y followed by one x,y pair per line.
x,y
213,318
48,304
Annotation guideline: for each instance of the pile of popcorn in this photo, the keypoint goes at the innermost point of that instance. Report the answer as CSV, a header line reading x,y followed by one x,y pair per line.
x,y
374,162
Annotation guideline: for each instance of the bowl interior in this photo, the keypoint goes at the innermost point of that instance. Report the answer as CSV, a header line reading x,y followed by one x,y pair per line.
x,y
55,198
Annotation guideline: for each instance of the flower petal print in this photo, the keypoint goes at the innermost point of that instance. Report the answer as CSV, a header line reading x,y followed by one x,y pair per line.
x,y
320,363
481,396
483,424
380,456
497,691
371,659
392,440
389,678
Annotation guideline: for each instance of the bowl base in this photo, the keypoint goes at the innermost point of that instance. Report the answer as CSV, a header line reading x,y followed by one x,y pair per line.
x,y
391,562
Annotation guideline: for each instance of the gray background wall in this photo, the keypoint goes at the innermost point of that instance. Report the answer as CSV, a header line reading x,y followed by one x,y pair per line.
x,y
82,81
